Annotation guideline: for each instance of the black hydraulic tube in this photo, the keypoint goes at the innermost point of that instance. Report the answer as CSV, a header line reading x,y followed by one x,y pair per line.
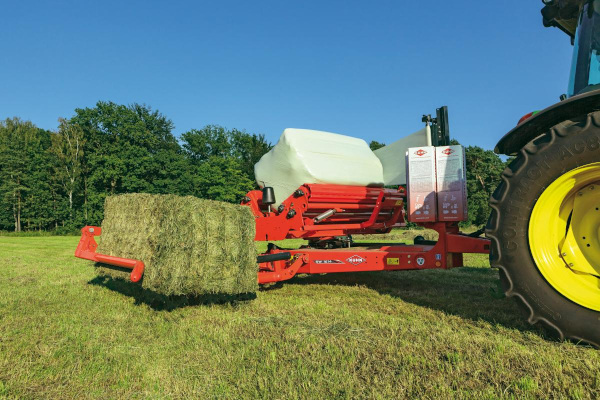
x,y
273,257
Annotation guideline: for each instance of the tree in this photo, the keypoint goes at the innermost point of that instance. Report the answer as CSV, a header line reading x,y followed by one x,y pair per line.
x,y
221,178
210,141
374,145
12,168
127,149
200,145
67,148
37,210
248,148
24,164
483,176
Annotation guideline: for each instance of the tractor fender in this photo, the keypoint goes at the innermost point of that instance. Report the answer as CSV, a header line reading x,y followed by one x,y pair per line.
x,y
542,121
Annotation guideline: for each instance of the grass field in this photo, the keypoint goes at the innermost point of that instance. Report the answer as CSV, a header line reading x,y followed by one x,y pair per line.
x,y
425,334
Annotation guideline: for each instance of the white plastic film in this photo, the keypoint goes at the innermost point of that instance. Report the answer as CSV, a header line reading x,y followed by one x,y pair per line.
x,y
393,156
306,156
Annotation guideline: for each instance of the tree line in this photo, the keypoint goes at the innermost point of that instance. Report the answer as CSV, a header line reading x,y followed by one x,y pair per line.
x,y
58,180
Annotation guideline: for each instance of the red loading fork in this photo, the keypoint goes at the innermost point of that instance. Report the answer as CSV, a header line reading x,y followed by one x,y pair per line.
x,y
87,246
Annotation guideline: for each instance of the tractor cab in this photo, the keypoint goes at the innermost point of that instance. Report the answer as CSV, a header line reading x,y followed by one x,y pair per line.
x,y
581,21
585,70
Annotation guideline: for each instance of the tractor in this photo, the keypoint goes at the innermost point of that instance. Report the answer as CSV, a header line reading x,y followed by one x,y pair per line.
x,y
545,222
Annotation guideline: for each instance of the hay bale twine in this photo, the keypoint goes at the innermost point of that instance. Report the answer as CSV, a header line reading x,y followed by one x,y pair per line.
x,y
190,246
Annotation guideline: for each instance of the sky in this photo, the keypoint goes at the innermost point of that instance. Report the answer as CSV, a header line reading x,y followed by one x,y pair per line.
x,y
368,69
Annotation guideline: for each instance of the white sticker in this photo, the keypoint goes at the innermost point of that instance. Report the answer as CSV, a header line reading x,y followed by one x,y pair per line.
x,y
355,260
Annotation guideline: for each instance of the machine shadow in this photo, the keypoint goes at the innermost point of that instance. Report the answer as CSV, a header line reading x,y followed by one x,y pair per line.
x,y
159,302
467,292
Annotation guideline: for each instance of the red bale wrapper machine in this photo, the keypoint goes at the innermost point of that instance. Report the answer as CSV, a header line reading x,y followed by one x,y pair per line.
x,y
431,193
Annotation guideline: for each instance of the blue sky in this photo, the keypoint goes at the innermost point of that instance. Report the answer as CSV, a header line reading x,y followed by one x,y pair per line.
x,y
368,69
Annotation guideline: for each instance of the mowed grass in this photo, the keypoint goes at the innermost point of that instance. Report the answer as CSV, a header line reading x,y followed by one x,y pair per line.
x,y
422,334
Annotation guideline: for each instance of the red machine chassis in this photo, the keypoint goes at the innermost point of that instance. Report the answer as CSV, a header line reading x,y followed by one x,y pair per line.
x,y
446,252
350,210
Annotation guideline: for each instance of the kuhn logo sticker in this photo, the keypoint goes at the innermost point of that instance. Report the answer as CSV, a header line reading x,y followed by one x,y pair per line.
x,y
328,262
355,260
420,260
448,151
420,152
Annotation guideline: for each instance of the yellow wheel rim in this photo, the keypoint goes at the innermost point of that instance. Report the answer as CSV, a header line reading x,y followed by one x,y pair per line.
x,y
564,235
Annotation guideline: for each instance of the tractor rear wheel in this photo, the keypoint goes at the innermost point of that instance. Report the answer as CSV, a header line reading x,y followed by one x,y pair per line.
x,y
545,229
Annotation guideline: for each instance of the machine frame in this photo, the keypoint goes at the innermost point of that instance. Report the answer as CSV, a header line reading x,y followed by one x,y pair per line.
x,y
330,246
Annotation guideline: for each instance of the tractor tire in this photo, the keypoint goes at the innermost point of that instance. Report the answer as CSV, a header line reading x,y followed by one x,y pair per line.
x,y
565,149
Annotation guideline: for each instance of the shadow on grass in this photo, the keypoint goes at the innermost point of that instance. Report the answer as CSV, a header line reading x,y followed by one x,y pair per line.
x,y
161,302
471,293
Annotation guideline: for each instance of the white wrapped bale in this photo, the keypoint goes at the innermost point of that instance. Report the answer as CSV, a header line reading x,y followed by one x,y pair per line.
x,y
392,156
306,156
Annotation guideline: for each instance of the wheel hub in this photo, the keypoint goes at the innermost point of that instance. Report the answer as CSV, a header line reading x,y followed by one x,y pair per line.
x,y
564,235
581,248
